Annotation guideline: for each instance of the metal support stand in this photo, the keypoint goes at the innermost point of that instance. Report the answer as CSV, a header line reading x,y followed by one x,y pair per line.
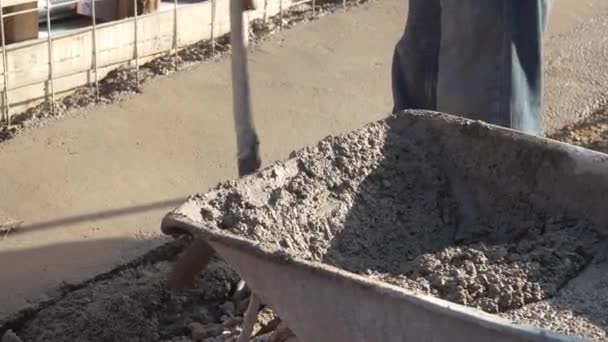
x,y
51,80
213,5
6,107
136,42
175,36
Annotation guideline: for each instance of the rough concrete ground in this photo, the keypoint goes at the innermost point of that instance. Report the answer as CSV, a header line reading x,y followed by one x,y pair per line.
x,y
133,304
99,189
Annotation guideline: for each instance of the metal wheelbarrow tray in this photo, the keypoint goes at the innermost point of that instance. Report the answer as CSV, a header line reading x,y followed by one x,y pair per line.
x,y
406,229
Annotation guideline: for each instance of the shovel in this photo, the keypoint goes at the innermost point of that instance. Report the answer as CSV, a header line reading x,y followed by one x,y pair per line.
x,y
198,254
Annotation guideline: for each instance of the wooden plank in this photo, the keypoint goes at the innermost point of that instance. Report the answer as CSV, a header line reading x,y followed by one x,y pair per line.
x,y
124,9
21,27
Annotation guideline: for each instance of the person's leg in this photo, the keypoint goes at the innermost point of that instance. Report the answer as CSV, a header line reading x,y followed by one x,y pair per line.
x,y
529,23
490,61
414,70
473,60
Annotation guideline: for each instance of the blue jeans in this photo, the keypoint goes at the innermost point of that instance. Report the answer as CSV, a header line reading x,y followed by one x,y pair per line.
x,y
480,59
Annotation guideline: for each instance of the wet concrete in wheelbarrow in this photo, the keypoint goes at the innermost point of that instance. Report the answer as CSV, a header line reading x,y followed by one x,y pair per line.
x,y
374,202
377,203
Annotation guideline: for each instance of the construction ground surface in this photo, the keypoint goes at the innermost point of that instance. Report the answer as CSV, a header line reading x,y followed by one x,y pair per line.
x,y
91,186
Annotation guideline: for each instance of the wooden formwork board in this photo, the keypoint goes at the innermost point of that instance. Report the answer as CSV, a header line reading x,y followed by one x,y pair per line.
x,y
21,27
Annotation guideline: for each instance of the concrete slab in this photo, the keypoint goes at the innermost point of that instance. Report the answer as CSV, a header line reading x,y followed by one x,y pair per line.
x,y
91,188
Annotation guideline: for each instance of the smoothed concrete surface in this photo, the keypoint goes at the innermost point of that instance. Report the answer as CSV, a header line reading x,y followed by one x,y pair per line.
x,y
576,55
110,173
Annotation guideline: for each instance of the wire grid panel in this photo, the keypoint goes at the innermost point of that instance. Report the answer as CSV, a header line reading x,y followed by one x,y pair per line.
x,y
101,46
6,112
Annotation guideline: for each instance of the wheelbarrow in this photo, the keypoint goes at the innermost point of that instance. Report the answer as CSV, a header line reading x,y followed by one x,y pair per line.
x,y
322,298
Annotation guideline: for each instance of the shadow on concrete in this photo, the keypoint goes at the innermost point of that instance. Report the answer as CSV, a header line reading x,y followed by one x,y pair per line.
x,y
168,204
32,276
28,286
70,300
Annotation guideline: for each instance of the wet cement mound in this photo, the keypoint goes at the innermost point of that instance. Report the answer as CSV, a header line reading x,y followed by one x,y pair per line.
x,y
135,305
379,203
